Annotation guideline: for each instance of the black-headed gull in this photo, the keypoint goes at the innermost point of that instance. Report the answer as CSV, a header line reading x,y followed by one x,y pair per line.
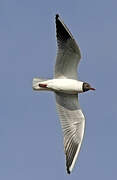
x,y
66,87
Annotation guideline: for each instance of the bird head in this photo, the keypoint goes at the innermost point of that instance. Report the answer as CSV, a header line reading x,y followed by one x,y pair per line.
x,y
87,87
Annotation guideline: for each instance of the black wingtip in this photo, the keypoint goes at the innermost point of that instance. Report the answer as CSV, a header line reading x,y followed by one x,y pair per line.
x,y
57,16
68,171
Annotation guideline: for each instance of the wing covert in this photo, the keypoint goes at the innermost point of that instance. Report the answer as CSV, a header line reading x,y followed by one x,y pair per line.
x,y
68,55
73,123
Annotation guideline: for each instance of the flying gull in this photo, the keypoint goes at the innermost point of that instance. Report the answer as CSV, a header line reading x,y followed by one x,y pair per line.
x,y
66,88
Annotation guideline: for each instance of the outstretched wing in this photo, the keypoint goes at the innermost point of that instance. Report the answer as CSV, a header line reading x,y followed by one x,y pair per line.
x,y
73,123
68,55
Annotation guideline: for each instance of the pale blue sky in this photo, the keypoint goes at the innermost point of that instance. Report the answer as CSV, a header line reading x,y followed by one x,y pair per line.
x,y
31,144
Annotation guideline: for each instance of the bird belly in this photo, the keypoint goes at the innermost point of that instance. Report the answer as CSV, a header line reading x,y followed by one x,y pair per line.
x,y
69,86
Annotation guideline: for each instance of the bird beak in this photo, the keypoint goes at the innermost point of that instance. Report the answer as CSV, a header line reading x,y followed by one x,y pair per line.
x,y
92,89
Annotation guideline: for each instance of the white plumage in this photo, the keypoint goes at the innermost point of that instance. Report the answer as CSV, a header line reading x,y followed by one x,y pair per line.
x,y
66,88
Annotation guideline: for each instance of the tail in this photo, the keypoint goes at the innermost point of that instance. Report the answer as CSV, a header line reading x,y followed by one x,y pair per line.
x,y
35,84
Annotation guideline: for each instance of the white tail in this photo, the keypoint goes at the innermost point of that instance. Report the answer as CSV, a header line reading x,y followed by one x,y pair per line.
x,y
35,84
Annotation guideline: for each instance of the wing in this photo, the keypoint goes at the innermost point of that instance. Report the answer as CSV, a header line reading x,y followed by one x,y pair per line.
x,y
73,123
68,55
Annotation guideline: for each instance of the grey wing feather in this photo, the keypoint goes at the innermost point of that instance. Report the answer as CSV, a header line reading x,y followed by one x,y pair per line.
x,y
73,123
68,55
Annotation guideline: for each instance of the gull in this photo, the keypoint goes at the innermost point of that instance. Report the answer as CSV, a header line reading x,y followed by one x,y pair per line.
x,y
66,88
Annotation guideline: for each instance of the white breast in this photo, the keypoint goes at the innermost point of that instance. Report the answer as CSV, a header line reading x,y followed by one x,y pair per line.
x,y
65,85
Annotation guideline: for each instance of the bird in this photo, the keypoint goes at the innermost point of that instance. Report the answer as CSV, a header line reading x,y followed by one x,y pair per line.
x,y
67,87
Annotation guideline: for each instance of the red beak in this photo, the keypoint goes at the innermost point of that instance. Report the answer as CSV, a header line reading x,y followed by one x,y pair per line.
x,y
92,89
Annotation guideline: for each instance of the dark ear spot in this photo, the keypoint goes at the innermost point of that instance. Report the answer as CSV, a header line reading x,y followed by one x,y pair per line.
x,y
86,87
